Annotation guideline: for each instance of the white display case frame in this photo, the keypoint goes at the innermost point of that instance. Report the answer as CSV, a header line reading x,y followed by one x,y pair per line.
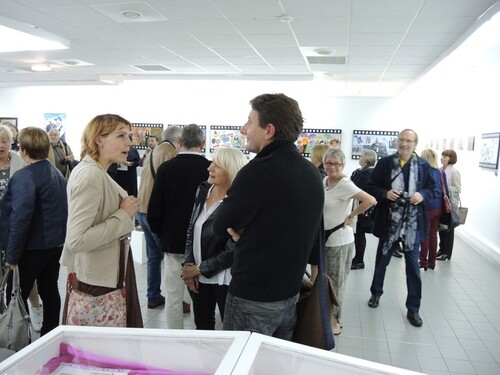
x,y
204,351
269,355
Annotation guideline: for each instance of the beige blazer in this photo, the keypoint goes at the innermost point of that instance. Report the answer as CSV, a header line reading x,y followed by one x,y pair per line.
x,y
163,152
95,225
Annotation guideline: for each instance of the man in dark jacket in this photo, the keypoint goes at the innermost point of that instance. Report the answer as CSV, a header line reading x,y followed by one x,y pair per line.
x,y
169,211
276,238
401,184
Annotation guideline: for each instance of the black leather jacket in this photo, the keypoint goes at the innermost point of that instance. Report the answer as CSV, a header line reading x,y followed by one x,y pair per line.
x,y
216,251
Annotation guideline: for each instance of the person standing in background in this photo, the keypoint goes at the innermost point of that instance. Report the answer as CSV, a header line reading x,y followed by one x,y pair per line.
x,y
167,150
364,224
60,154
169,211
454,181
434,209
153,141
125,174
33,220
317,153
13,129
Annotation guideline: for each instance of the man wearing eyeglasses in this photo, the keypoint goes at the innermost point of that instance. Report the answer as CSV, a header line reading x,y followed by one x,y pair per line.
x,y
401,183
260,211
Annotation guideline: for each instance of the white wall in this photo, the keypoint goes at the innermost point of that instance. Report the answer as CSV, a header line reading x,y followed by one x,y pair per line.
x,y
454,109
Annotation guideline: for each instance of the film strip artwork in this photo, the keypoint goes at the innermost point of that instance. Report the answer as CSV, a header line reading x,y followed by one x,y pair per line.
x,y
311,137
202,127
226,136
384,143
141,133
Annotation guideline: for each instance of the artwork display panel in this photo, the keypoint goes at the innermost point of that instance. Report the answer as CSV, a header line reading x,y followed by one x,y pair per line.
x,y
490,143
383,142
226,136
311,137
56,121
141,133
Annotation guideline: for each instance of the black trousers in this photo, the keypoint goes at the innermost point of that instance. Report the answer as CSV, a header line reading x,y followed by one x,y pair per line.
x,y
204,304
446,240
42,266
359,244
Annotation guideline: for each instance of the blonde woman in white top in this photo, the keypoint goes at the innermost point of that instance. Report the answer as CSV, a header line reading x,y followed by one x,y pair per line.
x,y
339,194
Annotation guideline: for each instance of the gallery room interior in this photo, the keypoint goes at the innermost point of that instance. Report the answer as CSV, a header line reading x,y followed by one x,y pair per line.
x,y
358,68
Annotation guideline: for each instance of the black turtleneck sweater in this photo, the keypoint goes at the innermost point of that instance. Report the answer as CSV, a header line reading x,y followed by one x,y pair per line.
x,y
278,199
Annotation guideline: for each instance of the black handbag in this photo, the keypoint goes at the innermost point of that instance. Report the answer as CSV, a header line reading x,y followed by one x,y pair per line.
x,y
315,305
449,221
15,322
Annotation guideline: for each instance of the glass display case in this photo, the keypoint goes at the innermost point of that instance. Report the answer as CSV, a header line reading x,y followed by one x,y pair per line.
x,y
212,352
268,355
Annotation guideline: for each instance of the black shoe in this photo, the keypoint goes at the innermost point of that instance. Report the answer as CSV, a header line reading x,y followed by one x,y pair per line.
x,y
424,267
154,304
439,253
373,302
397,254
358,266
443,257
414,319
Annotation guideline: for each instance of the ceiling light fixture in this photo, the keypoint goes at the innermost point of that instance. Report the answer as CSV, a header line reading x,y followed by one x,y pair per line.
x,y
132,14
17,36
286,19
41,68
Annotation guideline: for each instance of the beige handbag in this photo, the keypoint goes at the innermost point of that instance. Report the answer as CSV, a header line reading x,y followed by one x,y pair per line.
x,y
15,322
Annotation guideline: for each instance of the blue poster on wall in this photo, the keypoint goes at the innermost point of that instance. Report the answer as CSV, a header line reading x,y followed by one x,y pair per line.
x,y
56,121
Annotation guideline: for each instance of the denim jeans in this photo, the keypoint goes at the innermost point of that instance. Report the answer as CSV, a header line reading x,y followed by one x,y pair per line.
x,y
413,280
155,257
276,319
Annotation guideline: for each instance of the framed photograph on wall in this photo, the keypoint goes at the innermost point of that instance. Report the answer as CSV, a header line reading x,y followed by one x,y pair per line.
x,y
9,121
383,142
489,150
226,136
203,127
311,137
141,133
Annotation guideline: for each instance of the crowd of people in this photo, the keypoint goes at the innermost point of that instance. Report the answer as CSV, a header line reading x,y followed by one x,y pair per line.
x,y
227,230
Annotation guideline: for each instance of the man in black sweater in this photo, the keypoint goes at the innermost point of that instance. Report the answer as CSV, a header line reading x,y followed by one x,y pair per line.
x,y
169,211
273,210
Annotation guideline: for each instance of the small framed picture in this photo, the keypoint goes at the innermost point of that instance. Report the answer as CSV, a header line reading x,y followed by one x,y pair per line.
x,y
9,121
490,143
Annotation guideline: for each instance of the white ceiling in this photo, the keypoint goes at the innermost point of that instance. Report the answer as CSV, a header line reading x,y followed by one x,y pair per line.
x,y
386,44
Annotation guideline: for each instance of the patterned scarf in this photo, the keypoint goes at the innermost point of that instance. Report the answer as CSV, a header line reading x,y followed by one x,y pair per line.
x,y
403,219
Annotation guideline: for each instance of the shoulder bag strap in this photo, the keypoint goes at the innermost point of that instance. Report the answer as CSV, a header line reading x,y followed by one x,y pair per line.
x,y
443,186
153,173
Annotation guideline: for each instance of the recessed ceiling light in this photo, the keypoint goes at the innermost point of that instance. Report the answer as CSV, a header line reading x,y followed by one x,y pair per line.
x,y
286,19
324,51
133,14
41,67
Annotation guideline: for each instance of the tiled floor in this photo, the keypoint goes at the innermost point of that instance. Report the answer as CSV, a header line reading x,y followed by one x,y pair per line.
x,y
460,309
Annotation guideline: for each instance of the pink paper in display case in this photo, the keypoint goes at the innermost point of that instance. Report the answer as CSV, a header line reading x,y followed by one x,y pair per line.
x,y
68,354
